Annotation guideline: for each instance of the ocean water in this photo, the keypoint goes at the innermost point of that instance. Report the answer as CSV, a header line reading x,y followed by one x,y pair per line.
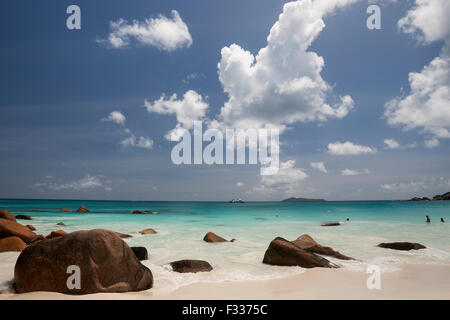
x,y
181,227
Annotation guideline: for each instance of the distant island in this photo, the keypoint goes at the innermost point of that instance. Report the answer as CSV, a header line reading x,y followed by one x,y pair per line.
x,y
439,197
302,200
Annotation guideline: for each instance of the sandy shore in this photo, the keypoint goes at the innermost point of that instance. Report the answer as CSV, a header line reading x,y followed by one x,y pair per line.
x,y
425,281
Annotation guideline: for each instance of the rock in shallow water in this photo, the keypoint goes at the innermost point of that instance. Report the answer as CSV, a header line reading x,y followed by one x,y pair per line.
x,y
148,231
82,209
404,246
23,217
212,237
306,242
330,224
106,262
191,266
284,253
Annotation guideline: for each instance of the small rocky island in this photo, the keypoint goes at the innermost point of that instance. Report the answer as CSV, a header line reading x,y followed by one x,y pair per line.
x,y
439,197
302,200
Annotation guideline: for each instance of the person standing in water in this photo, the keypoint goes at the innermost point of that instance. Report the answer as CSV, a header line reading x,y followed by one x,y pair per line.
x,y
428,219
442,220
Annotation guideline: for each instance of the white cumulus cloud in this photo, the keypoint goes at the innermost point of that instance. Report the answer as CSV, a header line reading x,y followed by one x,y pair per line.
x,y
191,107
351,172
391,144
286,181
349,148
282,84
427,106
319,166
115,116
164,33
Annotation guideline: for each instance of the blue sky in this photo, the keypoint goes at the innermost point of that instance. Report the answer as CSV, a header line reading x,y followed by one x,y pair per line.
x,y
58,85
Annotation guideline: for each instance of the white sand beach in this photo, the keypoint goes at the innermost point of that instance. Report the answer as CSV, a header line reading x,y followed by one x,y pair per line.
x,y
424,281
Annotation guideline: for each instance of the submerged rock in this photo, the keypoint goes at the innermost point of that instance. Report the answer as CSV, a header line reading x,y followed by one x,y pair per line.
x,y
191,266
212,237
140,252
83,209
330,224
5,214
12,244
148,231
23,217
9,228
106,262
404,246
29,226
284,253
66,210
60,224
306,242
143,212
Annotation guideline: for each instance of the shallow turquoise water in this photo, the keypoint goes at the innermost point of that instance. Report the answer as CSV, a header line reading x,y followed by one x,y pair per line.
x,y
182,225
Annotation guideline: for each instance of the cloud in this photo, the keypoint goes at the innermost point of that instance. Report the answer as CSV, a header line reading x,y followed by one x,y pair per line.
x,y
88,182
349,148
192,76
164,33
350,172
319,166
427,105
436,184
282,84
240,184
131,141
432,143
391,144
287,180
141,142
192,107
115,116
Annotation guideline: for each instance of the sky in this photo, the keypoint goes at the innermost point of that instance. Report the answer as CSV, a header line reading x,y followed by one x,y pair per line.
x,y
93,113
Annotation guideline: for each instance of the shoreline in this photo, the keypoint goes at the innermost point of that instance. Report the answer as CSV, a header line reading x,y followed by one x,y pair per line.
x,y
412,282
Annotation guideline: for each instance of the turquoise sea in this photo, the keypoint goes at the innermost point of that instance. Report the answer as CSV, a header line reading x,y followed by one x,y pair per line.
x,y
182,225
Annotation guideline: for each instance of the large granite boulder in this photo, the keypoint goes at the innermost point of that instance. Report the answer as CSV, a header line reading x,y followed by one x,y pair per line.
x,y
140,252
12,244
82,209
56,234
404,246
212,237
306,242
106,264
9,228
123,235
190,266
5,214
284,253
